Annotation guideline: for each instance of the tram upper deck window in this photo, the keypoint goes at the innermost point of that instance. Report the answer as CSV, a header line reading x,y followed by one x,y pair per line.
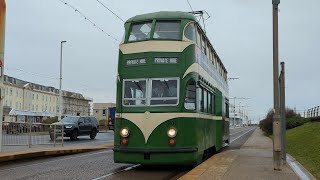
x,y
167,30
190,32
134,93
164,92
140,31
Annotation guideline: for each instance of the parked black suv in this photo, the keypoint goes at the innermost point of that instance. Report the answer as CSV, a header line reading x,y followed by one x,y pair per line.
x,y
75,126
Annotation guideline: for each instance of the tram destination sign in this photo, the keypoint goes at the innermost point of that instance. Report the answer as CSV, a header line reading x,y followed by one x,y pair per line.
x,y
166,60
136,62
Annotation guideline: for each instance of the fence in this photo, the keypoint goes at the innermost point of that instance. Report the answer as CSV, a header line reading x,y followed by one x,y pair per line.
x,y
31,134
313,112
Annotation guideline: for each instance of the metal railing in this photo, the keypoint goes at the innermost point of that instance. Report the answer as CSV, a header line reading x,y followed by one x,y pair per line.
x,y
31,134
312,112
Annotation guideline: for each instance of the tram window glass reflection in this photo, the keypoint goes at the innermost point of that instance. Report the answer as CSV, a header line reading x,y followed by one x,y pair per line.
x,y
167,30
164,92
140,31
134,92
190,32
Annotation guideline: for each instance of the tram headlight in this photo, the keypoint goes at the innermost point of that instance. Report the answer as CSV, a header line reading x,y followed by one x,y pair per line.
x,y
172,132
124,132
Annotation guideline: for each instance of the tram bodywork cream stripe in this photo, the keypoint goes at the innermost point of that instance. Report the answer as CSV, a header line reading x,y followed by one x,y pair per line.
x,y
154,46
147,122
195,67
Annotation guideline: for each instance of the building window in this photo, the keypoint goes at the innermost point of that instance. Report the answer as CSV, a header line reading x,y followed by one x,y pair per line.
x,y
104,112
33,96
37,107
10,91
17,93
42,98
17,105
50,98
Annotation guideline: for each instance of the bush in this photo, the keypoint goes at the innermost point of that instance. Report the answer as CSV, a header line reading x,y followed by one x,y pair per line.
x,y
293,120
50,120
296,121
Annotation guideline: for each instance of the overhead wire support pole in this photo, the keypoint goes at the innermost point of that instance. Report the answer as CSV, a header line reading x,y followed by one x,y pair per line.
x,y
283,112
277,164
2,42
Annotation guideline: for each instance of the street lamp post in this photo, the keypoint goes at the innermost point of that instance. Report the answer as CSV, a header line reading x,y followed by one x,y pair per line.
x,y
60,91
2,42
277,163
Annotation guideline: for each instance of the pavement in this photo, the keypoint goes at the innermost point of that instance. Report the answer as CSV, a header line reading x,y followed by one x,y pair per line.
x,y
254,160
24,153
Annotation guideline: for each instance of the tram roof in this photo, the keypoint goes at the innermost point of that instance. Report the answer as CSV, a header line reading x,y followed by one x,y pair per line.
x,y
163,15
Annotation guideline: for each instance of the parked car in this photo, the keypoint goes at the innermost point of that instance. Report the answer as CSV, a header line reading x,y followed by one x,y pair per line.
x,y
74,126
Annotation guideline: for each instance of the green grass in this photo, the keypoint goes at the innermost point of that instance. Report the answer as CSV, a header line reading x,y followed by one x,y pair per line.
x,y
303,143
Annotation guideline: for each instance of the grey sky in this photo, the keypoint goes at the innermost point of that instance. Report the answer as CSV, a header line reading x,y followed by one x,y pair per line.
x,y
241,32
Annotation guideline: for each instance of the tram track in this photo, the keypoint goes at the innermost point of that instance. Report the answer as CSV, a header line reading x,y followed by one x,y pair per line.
x,y
142,172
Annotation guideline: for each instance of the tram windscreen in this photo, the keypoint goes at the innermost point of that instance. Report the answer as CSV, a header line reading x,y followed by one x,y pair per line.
x,y
135,92
164,92
167,30
140,31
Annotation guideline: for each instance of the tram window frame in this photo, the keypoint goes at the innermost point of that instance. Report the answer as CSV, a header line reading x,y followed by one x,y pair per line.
x,y
204,45
135,100
187,32
200,104
205,101
199,41
163,99
191,96
178,33
210,103
140,23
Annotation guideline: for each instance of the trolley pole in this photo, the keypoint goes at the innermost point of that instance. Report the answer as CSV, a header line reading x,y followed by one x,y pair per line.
x,y
2,37
283,112
277,164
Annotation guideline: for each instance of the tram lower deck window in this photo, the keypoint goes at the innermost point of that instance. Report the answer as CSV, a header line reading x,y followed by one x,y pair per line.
x,y
153,92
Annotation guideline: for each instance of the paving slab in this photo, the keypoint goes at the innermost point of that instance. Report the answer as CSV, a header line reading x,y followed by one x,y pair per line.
x,y
254,160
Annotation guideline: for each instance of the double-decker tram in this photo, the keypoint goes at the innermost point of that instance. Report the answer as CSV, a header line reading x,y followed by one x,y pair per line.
x,y
172,92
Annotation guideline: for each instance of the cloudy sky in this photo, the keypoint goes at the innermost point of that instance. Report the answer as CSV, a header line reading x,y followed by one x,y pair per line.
x,y
240,30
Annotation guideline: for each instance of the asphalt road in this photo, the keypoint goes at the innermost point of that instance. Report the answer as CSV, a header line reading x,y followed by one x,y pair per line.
x,y
100,165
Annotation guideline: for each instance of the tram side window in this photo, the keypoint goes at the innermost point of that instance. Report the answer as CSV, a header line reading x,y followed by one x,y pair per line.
x,y
200,104
167,30
140,31
164,92
198,38
190,32
227,109
205,100
190,100
204,45
209,103
135,93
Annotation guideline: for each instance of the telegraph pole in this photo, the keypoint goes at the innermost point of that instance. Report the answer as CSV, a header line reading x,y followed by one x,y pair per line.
x,y
2,36
277,160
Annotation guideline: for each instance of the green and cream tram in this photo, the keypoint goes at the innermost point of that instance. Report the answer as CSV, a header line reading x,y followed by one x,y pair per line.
x,y
172,92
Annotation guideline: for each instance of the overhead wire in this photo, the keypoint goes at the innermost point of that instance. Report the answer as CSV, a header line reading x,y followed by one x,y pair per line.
x,y
190,6
89,20
110,10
